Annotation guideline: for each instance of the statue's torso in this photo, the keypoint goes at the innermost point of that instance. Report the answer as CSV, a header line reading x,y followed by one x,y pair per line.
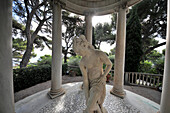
x,y
94,66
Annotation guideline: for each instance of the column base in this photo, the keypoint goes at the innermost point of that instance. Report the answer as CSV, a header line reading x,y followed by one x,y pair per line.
x,y
56,93
115,92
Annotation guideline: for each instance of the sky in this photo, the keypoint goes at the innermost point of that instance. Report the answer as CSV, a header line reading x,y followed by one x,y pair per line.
x,y
104,46
161,47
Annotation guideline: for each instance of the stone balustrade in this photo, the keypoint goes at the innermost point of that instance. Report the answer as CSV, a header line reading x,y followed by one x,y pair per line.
x,y
138,79
143,79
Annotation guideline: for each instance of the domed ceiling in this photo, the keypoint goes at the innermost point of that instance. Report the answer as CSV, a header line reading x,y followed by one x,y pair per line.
x,y
96,7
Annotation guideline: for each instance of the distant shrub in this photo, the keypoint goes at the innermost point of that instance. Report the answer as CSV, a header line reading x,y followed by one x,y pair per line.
x,y
44,60
112,58
30,76
27,77
64,68
146,66
74,61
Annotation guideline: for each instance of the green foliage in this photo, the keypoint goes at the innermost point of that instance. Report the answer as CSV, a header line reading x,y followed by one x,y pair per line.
x,y
17,26
112,51
27,77
29,12
153,56
112,58
64,68
103,32
163,52
159,66
154,63
74,61
74,27
133,42
153,17
158,61
19,46
45,60
146,66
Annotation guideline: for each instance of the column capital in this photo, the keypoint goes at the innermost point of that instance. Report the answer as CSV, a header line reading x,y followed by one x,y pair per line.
x,y
122,6
60,3
89,13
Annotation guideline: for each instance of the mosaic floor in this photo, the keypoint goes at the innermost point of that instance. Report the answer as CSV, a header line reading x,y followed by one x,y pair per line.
x,y
74,102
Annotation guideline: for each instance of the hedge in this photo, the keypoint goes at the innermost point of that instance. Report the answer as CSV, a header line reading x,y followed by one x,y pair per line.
x,y
27,77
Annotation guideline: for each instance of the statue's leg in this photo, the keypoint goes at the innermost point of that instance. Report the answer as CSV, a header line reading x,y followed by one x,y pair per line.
x,y
92,104
101,101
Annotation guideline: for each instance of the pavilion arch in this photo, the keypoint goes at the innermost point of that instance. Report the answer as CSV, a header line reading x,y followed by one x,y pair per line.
x,y
89,8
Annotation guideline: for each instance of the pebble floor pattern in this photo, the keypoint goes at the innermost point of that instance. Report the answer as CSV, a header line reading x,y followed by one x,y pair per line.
x,y
74,102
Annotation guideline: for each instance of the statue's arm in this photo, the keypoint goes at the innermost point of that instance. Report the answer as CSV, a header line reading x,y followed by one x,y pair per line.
x,y
85,80
106,61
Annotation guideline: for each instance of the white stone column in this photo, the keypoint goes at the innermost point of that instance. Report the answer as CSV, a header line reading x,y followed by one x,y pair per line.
x,y
165,98
118,88
88,19
6,73
56,72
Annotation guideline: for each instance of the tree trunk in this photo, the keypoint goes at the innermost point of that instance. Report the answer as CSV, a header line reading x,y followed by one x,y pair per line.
x,y
65,57
26,56
152,48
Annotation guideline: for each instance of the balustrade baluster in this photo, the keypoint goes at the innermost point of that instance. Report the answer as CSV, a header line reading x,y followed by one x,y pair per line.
x,y
129,77
146,80
136,78
158,81
132,77
139,79
150,80
142,79
154,81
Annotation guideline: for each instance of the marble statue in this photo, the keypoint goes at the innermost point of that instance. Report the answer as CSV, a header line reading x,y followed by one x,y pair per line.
x,y
94,79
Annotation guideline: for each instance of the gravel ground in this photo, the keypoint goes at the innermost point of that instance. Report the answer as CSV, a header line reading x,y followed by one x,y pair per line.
x,y
145,92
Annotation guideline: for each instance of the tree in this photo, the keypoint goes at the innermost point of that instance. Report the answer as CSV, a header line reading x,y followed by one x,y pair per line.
x,y
19,42
112,51
133,42
18,48
30,11
45,60
154,63
103,32
159,66
157,61
153,56
74,27
40,12
153,18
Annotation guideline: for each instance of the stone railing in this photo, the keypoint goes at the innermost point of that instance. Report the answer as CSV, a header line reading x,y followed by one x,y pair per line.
x,y
143,79
138,79
73,66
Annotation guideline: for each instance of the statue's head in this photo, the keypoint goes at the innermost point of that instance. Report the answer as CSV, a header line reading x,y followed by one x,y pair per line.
x,y
81,45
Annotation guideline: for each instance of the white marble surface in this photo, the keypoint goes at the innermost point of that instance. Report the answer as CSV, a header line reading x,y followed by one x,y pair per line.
x,y
74,102
6,74
165,101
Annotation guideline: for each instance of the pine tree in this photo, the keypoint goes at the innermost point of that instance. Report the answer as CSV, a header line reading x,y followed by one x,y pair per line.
x,y
133,42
